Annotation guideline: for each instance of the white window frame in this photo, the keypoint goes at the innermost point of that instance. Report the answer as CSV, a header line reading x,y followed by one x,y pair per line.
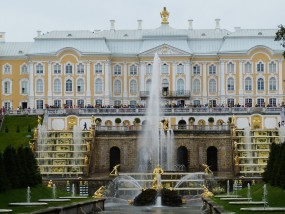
x,y
231,85
180,68
40,88
260,67
196,69
68,86
272,67
23,71
98,68
212,69
164,68
26,88
212,86
133,87
57,68
133,70
98,86
57,103
248,67
259,86
117,70
7,91
272,84
117,87
7,69
80,68
272,101
67,67
247,86
39,104
40,68
248,101
57,88
148,68
80,83
196,88
231,67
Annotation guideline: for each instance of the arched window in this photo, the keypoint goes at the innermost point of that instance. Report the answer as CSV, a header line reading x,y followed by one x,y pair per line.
x,y
24,86
180,87
57,69
133,87
212,86
117,70
272,84
7,69
248,84
260,67
196,69
164,68
80,68
39,69
196,86
40,86
133,70
230,67
68,85
148,86
117,87
260,84
98,68
68,69
272,67
7,87
24,69
80,85
248,67
149,68
98,86
57,86
180,68
212,69
231,84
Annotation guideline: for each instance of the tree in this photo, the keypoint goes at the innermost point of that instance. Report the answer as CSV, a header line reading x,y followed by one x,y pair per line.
x,y
10,162
280,176
33,166
24,169
4,182
273,179
280,36
270,163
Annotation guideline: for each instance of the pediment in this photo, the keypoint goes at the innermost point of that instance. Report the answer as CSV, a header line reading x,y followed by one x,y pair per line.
x,y
165,50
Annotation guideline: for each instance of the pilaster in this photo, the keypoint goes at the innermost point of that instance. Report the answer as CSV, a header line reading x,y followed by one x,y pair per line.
x,y
222,82
205,86
31,85
88,80
49,83
280,80
241,65
107,82
125,85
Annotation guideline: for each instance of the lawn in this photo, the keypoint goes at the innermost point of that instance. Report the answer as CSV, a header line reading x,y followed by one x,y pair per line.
x,y
37,192
275,199
12,136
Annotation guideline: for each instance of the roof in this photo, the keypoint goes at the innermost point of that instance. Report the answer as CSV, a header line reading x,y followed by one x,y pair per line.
x,y
15,48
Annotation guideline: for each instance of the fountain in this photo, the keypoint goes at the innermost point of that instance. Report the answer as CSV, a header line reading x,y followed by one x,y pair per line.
x,y
248,192
228,187
54,199
281,132
265,198
73,196
248,147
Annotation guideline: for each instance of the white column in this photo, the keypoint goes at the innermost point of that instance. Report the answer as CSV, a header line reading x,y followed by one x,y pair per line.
x,y
142,73
240,95
125,82
31,85
222,82
173,76
88,80
280,81
49,73
205,86
107,82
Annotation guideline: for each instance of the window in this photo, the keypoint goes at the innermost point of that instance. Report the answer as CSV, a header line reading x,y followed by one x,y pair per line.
x,y
68,85
231,102
213,103
148,86
133,87
24,87
248,67
68,69
117,102
117,87
149,68
231,84
98,68
260,84
98,86
260,102
117,70
196,102
24,69
7,87
80,85
248,84
80,68
7,105
57,69
272,102
230,67
272,84
133,103
57,103
212,69
7,69
98,102
39,69
80,103
196,86
180,87
248,102
180,69
133,70
196,69
164,68
57,86
40,104
68,103
260,67
40,86
212,86
272,67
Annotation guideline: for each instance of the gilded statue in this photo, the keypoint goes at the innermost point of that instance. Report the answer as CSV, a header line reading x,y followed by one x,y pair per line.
x,y
40,120
50,184
99,192
86,160
233,119
206,193
88,146
235,145
35,133
32,146
158,170
164,16
156,184
236,158
92,120
115,170
234,131
165,125
207,169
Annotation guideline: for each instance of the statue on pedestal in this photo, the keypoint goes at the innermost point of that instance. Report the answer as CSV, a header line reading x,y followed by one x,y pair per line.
x,y
40,120
99,192
206,193
207,169
115,171
164,16
92,120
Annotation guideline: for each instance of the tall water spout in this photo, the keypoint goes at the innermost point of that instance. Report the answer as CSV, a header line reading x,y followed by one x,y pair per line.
x,y
228,187
248,144
264,198
73,190
28,195
248,192
281,132
53,191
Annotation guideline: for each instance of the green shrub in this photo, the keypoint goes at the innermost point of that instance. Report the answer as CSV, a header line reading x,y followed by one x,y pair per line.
x,y
191,119
137,120
211,120
18,129
118,120
29,128
6,129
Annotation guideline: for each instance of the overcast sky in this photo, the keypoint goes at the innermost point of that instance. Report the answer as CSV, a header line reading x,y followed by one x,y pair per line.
x,y
21,19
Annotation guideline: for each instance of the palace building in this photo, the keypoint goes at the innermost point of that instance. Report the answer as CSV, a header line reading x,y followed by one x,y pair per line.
x,y
113,67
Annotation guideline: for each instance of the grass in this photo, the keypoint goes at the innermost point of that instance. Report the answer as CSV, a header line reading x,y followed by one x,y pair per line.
x,y
12,137
37,192
275,199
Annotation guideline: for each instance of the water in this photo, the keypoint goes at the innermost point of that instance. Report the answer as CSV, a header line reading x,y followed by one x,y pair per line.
x,y
154,146
42,141
28,195
248,192
73,190
53,191
228,187
77,139
196,181
248,144
265,196
281,132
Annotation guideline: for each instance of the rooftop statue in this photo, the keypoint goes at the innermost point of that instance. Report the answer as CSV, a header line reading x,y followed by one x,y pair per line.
x,y
164,16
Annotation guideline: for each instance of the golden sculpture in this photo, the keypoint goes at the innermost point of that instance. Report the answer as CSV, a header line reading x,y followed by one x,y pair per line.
x,y
206,193
92,120
40,120
158,171
50,184
234,131
35,133
165,125
256,121
236,158
130,202
207,169
115,172
86,160
32,146
72,121
91,132
233,119
235,145
88,146
164,16
99,192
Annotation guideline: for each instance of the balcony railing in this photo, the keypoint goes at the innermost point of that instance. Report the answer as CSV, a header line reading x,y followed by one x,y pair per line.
x,y
169,94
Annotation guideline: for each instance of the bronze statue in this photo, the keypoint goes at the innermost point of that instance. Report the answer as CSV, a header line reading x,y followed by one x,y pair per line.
x,y
207,169
99,192
164,16
115,172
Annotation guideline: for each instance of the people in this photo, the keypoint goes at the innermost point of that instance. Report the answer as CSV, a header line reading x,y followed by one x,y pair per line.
x,y
207,169
115,170
85,126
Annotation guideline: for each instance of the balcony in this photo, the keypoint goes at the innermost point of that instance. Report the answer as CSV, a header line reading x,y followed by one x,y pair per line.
x,y
168,94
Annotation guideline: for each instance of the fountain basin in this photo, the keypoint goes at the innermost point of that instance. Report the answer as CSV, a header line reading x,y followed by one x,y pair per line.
x,y
246,202
227,196
73,197
262,209
53,200
235,199
5,211
27,204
